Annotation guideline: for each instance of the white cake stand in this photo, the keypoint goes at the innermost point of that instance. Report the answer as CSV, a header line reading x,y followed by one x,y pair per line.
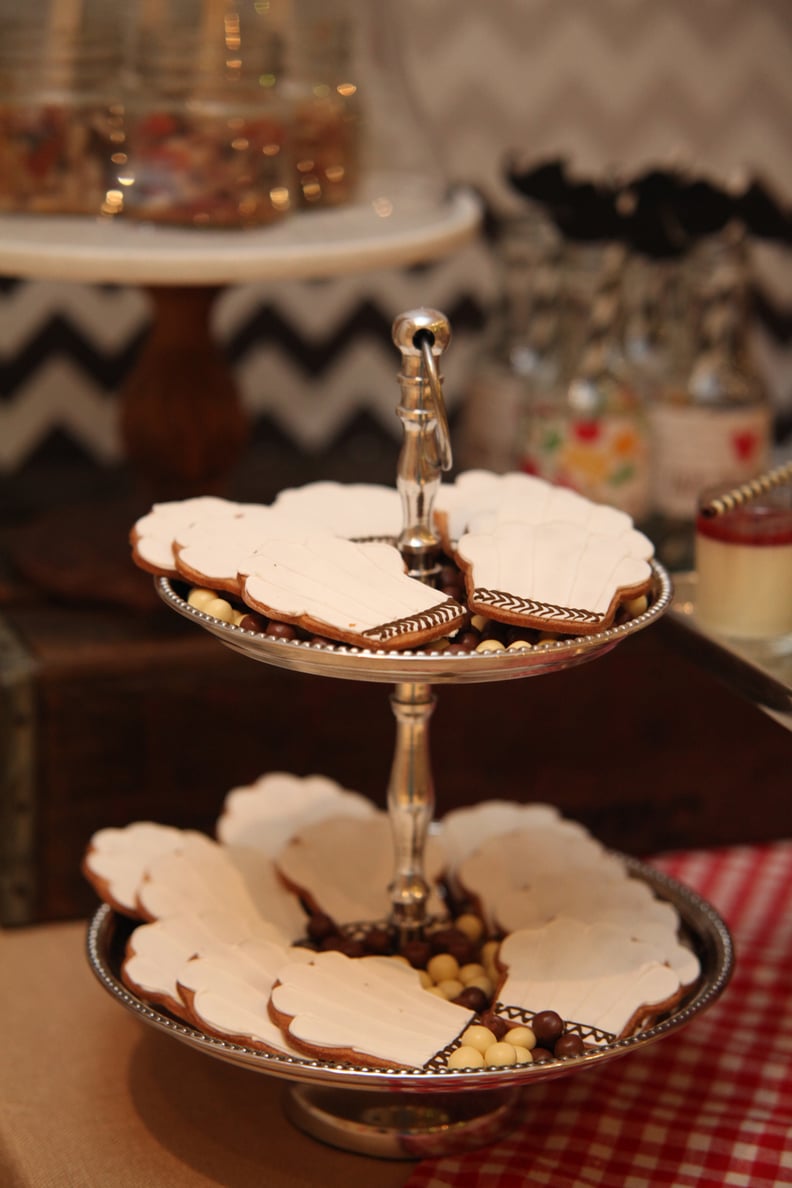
x,y
415,1113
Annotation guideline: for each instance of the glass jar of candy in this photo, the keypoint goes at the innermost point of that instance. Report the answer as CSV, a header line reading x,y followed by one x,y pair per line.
x,y
238,113
61,115
207,122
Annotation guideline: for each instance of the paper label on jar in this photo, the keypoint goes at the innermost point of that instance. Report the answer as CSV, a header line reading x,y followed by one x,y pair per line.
x,y
604,458
694,448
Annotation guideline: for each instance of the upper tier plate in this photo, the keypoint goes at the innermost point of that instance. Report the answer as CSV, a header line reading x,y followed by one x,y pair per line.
x,y
361,664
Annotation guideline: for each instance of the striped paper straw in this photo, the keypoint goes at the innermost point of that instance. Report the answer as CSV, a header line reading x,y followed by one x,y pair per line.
x,y
748,491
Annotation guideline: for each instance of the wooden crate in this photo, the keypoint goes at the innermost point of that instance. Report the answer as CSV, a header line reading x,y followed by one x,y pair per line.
x,y
107,717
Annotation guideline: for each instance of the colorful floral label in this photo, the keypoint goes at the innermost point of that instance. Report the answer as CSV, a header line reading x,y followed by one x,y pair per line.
x,y
605,458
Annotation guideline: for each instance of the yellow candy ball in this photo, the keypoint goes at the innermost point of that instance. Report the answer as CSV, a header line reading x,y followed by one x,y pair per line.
x,y
479,1037
500,1055
465,1057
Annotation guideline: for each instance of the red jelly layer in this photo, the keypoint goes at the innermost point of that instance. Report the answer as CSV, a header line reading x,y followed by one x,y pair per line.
x,y
751,525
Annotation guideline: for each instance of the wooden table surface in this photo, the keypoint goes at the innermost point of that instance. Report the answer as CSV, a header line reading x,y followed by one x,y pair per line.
x,y
91,1098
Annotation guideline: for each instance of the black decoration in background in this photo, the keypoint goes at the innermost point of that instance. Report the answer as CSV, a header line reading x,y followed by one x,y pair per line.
x,y
658,212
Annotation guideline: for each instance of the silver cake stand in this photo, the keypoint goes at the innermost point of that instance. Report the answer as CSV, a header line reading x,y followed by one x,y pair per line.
x,y
418,1113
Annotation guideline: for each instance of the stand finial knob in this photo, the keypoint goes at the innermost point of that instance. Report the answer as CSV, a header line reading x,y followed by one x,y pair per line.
x,y
420,323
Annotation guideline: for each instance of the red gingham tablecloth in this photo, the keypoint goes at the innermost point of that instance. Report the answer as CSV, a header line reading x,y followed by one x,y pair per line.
x,y
709,1105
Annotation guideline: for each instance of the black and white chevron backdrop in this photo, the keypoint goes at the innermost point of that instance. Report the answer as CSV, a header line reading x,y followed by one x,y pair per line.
x,y
616,83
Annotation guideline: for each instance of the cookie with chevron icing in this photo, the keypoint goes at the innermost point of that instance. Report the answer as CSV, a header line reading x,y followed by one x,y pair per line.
x,y
556,575
369,1011
594,973
353,592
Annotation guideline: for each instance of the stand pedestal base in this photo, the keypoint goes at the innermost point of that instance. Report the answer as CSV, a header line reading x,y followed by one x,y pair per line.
x,y
393,1125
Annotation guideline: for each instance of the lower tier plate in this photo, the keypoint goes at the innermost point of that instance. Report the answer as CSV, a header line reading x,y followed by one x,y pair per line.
x,y
703,928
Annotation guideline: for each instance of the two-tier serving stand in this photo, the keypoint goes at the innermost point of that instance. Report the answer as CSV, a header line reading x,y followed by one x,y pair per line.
x,y
416,1113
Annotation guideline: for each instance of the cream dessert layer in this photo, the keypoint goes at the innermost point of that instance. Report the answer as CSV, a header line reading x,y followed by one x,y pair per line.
x,y
744,569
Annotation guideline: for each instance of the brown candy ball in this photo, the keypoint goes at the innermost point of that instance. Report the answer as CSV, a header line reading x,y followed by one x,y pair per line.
x,y
472,997
497,1026
378,941
540,1055
569,1045
276,630
547,1026
417,952
253,623
455,942
467,641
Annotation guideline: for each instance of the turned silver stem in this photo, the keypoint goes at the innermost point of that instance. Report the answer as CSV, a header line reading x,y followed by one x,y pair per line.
x,y
411,801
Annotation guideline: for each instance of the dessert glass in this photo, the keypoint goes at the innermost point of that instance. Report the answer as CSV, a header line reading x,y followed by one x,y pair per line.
x,y
744,565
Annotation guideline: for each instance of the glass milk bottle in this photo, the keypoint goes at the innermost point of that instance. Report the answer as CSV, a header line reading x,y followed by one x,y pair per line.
x,y
711,423
521,346
589,431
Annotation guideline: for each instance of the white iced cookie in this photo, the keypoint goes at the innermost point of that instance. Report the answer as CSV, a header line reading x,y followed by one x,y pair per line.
x,y
206,876
209,552
342,867
266,813
157,951
591,898
470,494
357,593
352,510
152,535
554,574
366,1010
227,988
467,828
590,973
522,859
117,859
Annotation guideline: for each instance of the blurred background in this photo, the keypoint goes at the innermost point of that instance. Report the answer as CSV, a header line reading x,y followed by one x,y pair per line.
x,y
622,319
612,89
